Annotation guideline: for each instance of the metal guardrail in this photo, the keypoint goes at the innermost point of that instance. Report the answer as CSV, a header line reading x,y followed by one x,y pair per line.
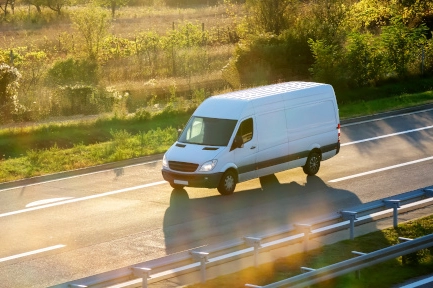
x,y
314,276
170,266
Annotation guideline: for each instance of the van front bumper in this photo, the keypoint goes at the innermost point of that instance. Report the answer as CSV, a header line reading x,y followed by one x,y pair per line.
x,y
192,180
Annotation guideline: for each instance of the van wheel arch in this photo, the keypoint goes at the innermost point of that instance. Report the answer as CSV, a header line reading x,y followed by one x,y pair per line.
x,y
312,165
228,182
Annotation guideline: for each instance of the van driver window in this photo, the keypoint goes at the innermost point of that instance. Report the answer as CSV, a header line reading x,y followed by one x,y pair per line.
x,y
246,130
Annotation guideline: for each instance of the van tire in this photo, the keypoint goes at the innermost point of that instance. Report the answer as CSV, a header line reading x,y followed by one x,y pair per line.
x,y
312,165
227,183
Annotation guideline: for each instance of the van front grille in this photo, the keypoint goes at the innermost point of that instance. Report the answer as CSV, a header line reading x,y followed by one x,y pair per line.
x,y
182,166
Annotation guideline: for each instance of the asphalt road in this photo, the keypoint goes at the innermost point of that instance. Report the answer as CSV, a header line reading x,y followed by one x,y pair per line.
x,y
70,228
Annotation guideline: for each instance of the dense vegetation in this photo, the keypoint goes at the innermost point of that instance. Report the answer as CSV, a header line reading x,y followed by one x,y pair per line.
x,y
66,58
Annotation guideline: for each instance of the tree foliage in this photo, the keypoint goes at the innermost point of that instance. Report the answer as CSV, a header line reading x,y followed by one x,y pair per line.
x,y
113,5
92,25
9,83
400,45
269,16
72,72
4,6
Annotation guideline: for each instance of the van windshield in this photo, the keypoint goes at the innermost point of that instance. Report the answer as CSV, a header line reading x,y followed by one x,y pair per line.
x,y
208,131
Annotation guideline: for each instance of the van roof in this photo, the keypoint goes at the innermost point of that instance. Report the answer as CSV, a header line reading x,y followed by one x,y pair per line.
x,y
263,91
231,105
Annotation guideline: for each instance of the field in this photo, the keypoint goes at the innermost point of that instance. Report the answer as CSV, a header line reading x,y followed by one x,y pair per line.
x,y
125,66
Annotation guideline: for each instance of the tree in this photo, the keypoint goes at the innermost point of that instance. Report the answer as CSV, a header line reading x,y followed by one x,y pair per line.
x,y
9,83
92,24
362,59
37,3
4,6
113,5
269,15
56,5
400,44
328,19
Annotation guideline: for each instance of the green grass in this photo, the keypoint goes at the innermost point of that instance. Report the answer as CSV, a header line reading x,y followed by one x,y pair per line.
x,y
369,107
382,275
122,146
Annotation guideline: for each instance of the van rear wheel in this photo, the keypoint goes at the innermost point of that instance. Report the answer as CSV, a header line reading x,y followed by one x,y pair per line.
x,y
227,183
312,165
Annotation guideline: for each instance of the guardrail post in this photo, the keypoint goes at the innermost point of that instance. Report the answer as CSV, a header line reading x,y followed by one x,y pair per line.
x,y
202,257
402,240
306,269
394,204
254,242
358,272
350,215
306,229
144,273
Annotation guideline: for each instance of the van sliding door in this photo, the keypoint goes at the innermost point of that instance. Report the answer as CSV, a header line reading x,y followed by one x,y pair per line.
x,y
273,143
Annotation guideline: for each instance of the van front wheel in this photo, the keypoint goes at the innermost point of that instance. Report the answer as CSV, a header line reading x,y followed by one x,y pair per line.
x,y
227,183
312,165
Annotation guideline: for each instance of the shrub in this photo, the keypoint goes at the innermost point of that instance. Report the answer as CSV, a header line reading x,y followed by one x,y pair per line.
x,y
9,83
73,71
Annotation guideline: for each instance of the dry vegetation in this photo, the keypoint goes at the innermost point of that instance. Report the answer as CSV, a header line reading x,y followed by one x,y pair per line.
x,y
57,38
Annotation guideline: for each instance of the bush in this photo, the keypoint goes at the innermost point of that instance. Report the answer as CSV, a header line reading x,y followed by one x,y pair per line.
x,y
9,78
73,71
268,58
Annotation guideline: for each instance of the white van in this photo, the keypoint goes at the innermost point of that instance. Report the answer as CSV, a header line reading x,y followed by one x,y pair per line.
x,y
252,133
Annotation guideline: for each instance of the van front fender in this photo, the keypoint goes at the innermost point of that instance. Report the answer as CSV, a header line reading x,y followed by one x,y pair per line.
x,y
228,166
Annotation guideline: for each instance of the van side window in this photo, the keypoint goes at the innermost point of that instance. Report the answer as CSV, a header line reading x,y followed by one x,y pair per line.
x,y
246,130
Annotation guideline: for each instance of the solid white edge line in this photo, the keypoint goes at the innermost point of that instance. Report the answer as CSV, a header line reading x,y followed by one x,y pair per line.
x,y
31,252
387,135
381,169
81,199
76,176
386,117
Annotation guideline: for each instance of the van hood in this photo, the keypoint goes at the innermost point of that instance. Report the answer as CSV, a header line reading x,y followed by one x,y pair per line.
x,y
192,153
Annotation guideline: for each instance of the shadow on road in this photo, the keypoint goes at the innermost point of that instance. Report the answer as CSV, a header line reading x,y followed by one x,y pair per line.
x,y
190,223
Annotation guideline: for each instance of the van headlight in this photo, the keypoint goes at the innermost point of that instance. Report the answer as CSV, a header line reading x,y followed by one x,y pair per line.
x,y
208,166
164,162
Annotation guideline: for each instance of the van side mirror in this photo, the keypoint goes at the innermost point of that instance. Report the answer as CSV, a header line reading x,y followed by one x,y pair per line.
x,y
238,142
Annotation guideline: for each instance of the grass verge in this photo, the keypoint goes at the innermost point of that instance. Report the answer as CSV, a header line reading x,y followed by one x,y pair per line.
x,y
361,107
122,146
382,275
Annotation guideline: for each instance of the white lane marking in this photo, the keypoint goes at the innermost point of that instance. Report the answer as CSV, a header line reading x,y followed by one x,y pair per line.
x,y
81,175
382,169
387,135
31,252
386,117
82,198
46,201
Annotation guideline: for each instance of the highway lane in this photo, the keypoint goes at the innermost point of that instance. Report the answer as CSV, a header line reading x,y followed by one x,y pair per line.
x,y
115,218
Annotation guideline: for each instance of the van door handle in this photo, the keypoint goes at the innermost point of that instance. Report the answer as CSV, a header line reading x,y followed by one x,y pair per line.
x,y
253,147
